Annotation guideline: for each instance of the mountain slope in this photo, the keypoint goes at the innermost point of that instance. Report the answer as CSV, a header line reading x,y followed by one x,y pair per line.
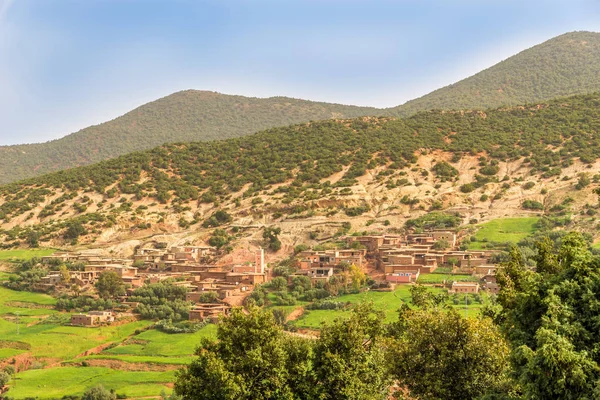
x,y
376,167
181,117
563,66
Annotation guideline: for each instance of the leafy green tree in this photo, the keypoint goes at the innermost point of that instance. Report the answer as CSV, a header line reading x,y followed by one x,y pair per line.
x,y
4,378
350,359
271,236
437,354
110,285
550,318
65,276
98,393
357,276
441,244
33,239
248,361
74,230
419,295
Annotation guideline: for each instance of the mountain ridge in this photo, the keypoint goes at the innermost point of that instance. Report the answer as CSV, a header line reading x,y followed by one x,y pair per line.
x,y
535,74
330,171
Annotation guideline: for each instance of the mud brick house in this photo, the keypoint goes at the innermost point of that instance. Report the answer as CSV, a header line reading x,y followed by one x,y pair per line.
x,y
210,312
92,318
331,258
409,276
464,287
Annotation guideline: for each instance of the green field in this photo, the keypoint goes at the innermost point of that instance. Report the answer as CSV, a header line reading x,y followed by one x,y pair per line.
x,y
388,302
153,343
54,383
24,254
440,278
61,345
504,230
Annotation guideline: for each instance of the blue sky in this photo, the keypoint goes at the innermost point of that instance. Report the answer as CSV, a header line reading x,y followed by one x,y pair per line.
x,y
68,64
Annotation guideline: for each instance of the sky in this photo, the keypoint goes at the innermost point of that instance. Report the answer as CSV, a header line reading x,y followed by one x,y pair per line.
x,y
69,64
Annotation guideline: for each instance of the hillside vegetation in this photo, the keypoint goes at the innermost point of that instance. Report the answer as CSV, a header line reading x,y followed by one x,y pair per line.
x,y
181,117
316,166
563,66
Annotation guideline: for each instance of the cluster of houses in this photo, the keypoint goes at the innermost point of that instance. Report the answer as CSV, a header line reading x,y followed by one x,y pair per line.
x,y
187,264
403,258
321,265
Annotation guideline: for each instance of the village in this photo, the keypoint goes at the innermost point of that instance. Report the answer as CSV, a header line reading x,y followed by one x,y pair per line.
x,y
391,259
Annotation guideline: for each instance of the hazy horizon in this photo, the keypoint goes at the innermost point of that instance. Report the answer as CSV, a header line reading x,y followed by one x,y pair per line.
x,y
68,65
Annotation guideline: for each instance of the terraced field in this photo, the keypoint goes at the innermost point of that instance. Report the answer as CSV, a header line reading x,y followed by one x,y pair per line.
x,y
388,302
136,363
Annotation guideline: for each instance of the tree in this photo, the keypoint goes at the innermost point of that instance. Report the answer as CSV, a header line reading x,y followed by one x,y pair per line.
x,y
437,354
4,378
74,230
248,361
441,244
65,276
550,318
271,235
33,239
110,285
98,393
419,295
253,359
349,357
358,277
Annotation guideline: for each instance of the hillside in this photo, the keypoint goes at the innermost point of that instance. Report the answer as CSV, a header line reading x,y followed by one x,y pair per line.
x,y
563,66
535,159
181,117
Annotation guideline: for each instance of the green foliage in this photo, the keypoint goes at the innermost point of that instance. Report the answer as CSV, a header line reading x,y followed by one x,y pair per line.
x,y
219,238
456,358
435,220
219,218
550,319
162,301
444,170
309,153
4,378
271,236
98,393
167,326
562,66
532,205
110,285
199,116
356,211
253,359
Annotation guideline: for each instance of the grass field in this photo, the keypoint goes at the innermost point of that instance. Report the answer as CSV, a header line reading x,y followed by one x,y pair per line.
x,y
24,254
504,230
153,343
54,383
388,302
440,278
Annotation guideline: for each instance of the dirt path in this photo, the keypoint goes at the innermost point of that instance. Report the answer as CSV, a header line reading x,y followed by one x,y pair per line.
x,y
294,315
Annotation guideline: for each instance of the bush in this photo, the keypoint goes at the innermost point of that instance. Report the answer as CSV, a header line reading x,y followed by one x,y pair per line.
x,y
167,326
532,205
528,185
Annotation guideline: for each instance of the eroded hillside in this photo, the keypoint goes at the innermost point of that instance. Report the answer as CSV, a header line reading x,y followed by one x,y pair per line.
x,y
320,179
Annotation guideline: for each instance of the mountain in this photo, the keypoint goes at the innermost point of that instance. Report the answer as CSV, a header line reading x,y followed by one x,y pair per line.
x,y
504,161
181,117
563,66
